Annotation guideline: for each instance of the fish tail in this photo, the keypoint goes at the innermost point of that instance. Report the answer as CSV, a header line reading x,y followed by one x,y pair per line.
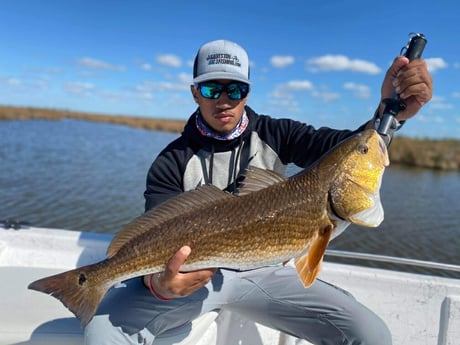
x,y
75,290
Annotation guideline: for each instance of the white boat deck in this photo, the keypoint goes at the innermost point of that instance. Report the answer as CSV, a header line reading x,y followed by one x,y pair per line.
x,y
419,309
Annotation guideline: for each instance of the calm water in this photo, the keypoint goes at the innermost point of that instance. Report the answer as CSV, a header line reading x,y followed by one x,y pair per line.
x,y
91,176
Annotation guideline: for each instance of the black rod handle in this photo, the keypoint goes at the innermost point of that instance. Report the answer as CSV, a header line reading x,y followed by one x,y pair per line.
x,y
387,125
415,46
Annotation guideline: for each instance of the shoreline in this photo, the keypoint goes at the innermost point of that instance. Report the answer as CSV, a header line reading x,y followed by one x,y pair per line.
x,y
32,113
424,153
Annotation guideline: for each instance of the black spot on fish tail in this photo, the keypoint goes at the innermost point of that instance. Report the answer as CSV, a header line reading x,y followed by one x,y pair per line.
x,y
326,229
81,279
75,290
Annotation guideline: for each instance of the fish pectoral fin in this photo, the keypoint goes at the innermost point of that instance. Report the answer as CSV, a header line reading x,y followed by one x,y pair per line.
x,y
308,265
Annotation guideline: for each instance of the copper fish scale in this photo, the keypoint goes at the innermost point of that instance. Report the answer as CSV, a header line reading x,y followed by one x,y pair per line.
x,y
285,223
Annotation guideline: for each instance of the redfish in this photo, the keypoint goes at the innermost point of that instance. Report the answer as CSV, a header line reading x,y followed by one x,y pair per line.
x,y
271,219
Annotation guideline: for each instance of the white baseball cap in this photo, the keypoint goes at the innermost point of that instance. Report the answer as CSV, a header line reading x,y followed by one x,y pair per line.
x,y
221,59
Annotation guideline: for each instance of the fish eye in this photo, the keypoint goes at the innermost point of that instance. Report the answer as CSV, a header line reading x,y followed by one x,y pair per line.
x,y
363,149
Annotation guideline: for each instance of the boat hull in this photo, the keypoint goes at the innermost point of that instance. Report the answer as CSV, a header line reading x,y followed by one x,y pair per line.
x,y
419,309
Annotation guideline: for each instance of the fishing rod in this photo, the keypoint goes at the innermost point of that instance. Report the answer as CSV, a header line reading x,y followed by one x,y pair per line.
x,y
387,124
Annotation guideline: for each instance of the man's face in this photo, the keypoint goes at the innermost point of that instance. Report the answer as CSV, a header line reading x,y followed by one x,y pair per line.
x,y
222,113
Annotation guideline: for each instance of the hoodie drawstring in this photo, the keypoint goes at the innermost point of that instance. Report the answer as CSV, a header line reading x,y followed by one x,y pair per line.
x,y
211,163
237,158
235,165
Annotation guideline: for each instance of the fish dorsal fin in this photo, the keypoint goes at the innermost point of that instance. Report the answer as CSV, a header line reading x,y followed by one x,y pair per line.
x,y
256,179
185,202
309,265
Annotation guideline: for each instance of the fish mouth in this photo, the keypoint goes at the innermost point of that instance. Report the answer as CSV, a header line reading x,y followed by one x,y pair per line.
x,y
370,217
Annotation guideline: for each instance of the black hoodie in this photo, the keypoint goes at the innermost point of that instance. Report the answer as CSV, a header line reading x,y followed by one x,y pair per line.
x,y
193,159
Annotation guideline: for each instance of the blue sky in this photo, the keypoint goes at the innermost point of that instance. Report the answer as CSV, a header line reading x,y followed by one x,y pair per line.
x,y
320,62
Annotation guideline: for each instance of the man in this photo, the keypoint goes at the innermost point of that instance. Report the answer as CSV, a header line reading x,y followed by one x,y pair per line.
x,y
222,138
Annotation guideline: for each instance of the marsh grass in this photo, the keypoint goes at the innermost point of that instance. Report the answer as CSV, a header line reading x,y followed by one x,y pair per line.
x,y
426,153
28,113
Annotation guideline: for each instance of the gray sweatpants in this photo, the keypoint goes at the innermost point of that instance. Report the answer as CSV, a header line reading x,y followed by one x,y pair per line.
x,y
271,296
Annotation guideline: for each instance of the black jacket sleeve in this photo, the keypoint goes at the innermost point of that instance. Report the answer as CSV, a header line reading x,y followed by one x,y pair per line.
x,y
165,176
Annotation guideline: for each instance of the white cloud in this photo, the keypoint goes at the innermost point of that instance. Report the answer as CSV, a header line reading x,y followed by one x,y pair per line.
x,y
146,67
190,63
146,86
359,90
170,86
78,88
44,70
439,119
281,61
145,96
10,81
185,78
283,104
285,90
438,103
114,96
437,98
299,85
281,93
434,64
169,60
155,86
326,96
341,63
24,85
99,64
440,106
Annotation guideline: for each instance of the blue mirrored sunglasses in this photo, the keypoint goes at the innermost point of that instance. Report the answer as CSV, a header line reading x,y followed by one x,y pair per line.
x,y
213,90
